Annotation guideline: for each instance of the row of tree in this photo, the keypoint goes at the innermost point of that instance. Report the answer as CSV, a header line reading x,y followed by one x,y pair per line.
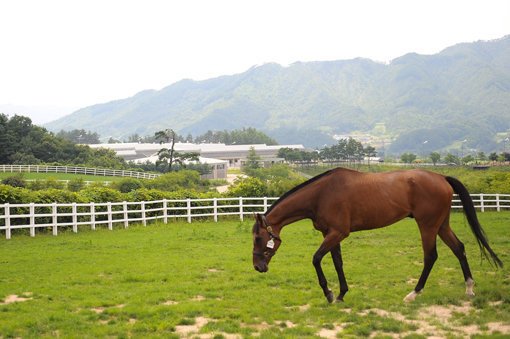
x,y
26,144
79,136
243,136
344,150
449,158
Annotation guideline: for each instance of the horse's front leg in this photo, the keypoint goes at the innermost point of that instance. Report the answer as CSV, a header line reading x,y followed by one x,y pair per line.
x,y
331,240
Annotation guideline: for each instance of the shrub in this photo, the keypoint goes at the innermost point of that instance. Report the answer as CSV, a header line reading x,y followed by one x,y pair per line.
x,y
14,195
52,195
15,180
176,180
145,195
76,185
102,194
51,182
127,185
36,185
247,187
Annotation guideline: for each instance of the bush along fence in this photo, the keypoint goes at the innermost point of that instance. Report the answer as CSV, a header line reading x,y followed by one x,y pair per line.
x,y
76,170
72,215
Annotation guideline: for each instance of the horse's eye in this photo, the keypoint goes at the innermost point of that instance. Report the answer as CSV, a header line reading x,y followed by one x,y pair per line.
x,y
258,240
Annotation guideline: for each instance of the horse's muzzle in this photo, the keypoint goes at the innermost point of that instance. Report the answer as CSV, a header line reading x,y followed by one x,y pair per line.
x,y
261,268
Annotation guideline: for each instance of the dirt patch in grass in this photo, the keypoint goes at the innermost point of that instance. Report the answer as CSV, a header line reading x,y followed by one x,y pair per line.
x,y
98,310
214,270
192,331
14,298
443,313
331,333
286,323
433,321
101,309
260,327
184,330
301,308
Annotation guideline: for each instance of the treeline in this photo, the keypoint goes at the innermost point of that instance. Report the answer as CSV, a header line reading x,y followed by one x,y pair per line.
x,y
345,149
454,159
26,144
245,136
80,136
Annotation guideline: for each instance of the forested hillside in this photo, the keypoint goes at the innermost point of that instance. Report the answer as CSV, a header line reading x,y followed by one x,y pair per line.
x,y
459,97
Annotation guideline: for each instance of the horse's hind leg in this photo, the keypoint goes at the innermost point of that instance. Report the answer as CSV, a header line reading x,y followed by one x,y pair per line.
x,y
430,257
336,254
428,239
457,247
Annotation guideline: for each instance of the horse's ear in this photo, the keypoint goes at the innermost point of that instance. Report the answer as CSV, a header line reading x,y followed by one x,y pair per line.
x,y
258,218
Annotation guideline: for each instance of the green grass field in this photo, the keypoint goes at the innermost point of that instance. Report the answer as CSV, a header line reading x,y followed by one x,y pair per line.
x,y
60,176
197,280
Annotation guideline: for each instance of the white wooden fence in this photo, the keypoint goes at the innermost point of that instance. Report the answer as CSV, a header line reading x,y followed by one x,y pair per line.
x,y
71,215
76,170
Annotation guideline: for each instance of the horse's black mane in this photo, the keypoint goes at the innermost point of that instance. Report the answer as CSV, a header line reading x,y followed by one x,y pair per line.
x,y
298,187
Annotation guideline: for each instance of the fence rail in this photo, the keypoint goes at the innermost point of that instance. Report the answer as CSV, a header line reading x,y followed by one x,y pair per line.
x,y
76,170
71,215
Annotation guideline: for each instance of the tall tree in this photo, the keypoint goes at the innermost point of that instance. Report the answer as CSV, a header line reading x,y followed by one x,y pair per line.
x,y
435,157
166,155
252,159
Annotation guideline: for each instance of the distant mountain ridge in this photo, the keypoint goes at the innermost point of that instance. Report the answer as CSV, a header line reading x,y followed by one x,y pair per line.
x,y
461,93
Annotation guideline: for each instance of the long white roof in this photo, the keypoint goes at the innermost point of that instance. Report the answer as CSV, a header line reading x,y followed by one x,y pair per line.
x,y
149,149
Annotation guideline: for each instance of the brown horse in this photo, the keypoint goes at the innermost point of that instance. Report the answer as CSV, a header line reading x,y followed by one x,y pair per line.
x,y
342,201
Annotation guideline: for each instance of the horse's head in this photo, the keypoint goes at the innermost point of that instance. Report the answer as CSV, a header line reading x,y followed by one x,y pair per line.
x,y
265,243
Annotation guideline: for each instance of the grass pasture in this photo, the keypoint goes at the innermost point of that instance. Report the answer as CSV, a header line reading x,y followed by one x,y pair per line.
x,y
59,176
197,280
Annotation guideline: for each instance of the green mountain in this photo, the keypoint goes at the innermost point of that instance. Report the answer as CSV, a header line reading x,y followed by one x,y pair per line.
x,y
461,93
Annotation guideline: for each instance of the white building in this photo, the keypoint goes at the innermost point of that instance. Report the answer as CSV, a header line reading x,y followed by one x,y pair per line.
x,y
220,156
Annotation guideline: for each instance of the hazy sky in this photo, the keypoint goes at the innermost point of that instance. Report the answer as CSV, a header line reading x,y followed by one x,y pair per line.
x,y
78,53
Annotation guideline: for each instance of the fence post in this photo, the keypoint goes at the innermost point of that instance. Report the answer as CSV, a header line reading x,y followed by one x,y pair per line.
x,y
109,209
165,212
481,202
215,209
7,214
265,204
75,218
32,219
144,221
92,216
125,210
188,207
498,208
241,208
54,217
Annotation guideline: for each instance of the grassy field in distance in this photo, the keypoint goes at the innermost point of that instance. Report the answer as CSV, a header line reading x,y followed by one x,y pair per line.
x,y
60,176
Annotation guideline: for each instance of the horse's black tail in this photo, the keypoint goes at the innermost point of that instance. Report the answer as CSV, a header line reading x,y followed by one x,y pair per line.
x,y
470,212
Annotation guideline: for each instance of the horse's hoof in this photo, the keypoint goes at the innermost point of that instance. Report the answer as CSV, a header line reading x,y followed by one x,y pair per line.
x,y
330,296
411,296
339,300
469,287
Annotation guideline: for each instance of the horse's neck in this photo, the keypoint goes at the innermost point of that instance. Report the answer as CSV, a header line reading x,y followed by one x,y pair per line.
x,y
293,208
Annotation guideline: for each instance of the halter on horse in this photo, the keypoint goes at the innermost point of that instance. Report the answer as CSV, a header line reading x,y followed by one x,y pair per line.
x,y
341,201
